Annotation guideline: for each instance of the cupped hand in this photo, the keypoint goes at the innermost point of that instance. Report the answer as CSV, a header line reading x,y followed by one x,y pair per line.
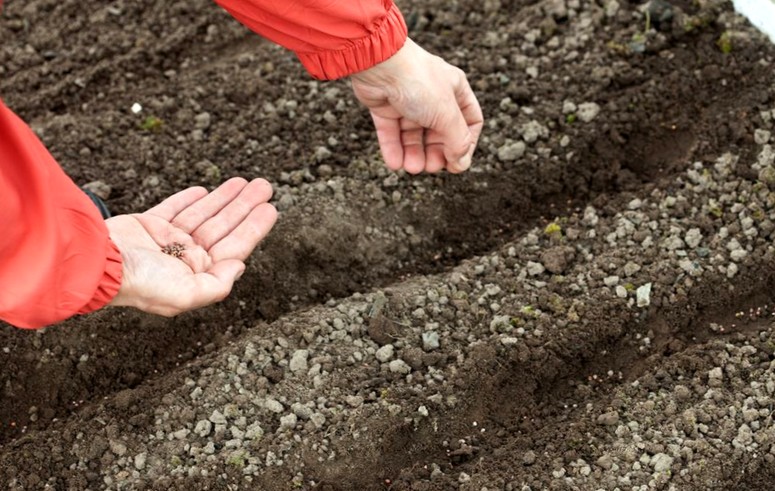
x,y
214,233
426,115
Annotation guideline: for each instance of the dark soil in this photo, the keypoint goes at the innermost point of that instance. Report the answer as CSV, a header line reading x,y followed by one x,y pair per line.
x,y
74,69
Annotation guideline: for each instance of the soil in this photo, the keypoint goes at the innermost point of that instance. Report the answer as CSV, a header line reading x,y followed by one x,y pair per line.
x,y
646,162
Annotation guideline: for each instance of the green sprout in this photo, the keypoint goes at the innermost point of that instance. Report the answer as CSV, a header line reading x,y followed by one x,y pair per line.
x,y
553,228
725,42
152,123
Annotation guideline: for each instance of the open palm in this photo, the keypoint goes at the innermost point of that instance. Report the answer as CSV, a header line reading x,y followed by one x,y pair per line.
x,y
214,232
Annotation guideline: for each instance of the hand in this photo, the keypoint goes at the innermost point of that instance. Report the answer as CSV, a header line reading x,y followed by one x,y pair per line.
x,y
426,115
217,232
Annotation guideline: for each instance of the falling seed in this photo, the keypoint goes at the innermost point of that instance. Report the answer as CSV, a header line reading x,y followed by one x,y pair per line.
x,y
137,108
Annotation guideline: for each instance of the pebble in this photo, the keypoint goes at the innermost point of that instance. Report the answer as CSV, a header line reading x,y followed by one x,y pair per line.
x,y
118,448
661,462
631,268
354,401
385,353
399,366
534,269
693,238
511,151
298,361
272,405
588,111
643,295
762,137
288,422
430,341
140,460
529,458
610,418
203,428
202,121
610,280
217,418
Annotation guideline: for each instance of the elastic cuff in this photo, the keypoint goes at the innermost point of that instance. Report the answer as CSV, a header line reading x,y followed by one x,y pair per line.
x,y
363,54
111,280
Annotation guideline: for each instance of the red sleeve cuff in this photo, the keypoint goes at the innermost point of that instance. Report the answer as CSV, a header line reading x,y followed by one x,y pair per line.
x,y
110,282
378,46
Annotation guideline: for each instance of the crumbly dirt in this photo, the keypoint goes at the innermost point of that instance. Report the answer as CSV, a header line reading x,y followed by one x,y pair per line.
x,y
587,308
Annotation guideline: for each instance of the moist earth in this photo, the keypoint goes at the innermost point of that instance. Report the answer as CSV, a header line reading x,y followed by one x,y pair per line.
x,y
589,307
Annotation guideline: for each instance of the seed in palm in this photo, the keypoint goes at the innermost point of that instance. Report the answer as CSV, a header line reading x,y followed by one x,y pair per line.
x,y
175,249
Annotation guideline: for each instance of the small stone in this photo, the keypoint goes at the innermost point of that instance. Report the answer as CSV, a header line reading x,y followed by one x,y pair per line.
x,y
568,107
631,268
430,341
118,448
534,269
511,151
354,401
588,111
298,361
529,458
738,255
423,411
318,420
610,280
682,393
716,373
693,238
385,353
322,153
254,432
217,418
399,366
203,428
301,410
555,260
762,137
288,422
661,462
767,176
272,405
606,462
140,460
643,295
202,121
610,418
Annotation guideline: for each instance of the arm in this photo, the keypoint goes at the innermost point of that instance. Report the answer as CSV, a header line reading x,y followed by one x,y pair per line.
x,y
332,38
426,115
56,258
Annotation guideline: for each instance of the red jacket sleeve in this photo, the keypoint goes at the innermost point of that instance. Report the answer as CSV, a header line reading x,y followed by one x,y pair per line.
x,y
56,258
332,38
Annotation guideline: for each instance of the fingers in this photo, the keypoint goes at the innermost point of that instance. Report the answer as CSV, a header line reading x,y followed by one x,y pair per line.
x,y
178,202
239,244
256,192
414,147
389,138
190,218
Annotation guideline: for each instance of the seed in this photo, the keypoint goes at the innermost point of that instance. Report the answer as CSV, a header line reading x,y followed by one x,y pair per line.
x,y
175,249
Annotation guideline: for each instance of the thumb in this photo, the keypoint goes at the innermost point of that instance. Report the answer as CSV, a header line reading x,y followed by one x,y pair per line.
x,y
456,138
